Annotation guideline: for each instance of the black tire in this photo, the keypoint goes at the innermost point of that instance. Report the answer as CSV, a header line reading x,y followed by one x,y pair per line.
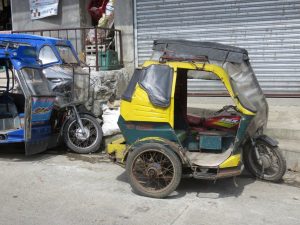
x,y
80,144
162,164
252,165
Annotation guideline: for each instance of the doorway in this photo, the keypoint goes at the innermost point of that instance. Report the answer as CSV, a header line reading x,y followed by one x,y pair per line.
x,y
5,16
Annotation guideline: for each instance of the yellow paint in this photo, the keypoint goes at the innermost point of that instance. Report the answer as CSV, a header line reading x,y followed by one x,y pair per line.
x,y
141,109
232,161
117,149
119,141
149,139
224,124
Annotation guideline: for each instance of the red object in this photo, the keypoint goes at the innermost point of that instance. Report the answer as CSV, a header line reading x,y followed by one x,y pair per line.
x,y
96,9
225,123
194,120
221,123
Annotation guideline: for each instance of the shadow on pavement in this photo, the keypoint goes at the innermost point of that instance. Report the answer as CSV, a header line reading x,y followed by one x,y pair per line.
x,y
123,177
16,153
222,188
93,158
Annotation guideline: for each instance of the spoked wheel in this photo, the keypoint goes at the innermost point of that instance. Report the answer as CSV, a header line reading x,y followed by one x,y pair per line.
x,y
153,170
269,166
83,142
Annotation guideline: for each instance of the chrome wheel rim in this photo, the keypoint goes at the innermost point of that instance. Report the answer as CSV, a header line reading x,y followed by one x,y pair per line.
x,y
83,139
269,163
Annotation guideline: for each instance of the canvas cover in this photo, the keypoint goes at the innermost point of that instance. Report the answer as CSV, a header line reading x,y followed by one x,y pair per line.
x,y
210,50
249,93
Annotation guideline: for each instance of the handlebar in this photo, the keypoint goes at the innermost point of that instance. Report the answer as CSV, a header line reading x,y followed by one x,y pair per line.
x,y
225,109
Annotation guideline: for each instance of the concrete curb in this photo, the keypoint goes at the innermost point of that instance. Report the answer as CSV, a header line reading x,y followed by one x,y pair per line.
x,y
291,152
282,133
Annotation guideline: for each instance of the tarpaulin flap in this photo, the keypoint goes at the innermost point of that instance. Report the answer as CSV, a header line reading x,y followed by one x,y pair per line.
x,y
127,95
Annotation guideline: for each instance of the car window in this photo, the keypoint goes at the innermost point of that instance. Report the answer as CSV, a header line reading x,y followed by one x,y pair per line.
x,y
47,55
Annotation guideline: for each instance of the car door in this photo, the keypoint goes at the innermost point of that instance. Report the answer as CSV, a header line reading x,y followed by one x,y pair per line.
x,y
39,103
37,124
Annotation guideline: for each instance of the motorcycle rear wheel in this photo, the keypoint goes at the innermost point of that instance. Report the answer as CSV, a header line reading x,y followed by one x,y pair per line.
x,y
79,142
272,166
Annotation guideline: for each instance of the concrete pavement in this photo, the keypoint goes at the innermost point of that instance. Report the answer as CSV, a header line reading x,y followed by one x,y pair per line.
x,y
88,189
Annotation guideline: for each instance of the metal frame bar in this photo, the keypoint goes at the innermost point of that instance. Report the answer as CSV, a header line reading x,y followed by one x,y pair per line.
x,y
223,94
83,30
136,62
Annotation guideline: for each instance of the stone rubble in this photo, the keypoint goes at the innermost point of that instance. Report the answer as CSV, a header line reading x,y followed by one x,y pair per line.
x,y
105,86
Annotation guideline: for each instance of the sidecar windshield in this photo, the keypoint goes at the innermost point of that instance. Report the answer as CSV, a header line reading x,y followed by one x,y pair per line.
x,y
35,81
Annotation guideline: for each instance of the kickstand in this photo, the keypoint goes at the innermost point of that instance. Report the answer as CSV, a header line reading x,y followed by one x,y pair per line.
x,y
234,182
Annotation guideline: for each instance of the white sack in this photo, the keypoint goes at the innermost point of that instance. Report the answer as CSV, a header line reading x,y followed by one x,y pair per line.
x,y
110,121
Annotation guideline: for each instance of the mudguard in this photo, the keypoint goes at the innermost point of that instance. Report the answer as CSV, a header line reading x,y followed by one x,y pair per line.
x,y
173,146
268,140
87,113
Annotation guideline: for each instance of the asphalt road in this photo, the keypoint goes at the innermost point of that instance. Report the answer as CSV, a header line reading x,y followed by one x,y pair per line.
x,y
65,188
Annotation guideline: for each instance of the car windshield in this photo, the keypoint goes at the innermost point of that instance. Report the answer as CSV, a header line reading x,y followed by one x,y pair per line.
x,y
35,81
46,55
66,54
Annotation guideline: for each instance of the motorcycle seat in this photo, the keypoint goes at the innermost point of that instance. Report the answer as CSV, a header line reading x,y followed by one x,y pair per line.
x,y
194,120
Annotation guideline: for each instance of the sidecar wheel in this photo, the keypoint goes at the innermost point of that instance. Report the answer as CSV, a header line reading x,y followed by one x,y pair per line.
x,y
273,165
153,170
77,141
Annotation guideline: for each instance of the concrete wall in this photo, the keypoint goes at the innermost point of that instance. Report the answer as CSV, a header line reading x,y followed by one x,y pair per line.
x,y
69,18
84,15
71,14
124,22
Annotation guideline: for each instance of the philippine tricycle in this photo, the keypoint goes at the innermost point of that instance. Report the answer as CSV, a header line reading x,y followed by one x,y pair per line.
x,y
163,142
37,111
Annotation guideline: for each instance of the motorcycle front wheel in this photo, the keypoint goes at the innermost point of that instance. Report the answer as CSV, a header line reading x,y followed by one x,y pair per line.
x,y
83,142
270,166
